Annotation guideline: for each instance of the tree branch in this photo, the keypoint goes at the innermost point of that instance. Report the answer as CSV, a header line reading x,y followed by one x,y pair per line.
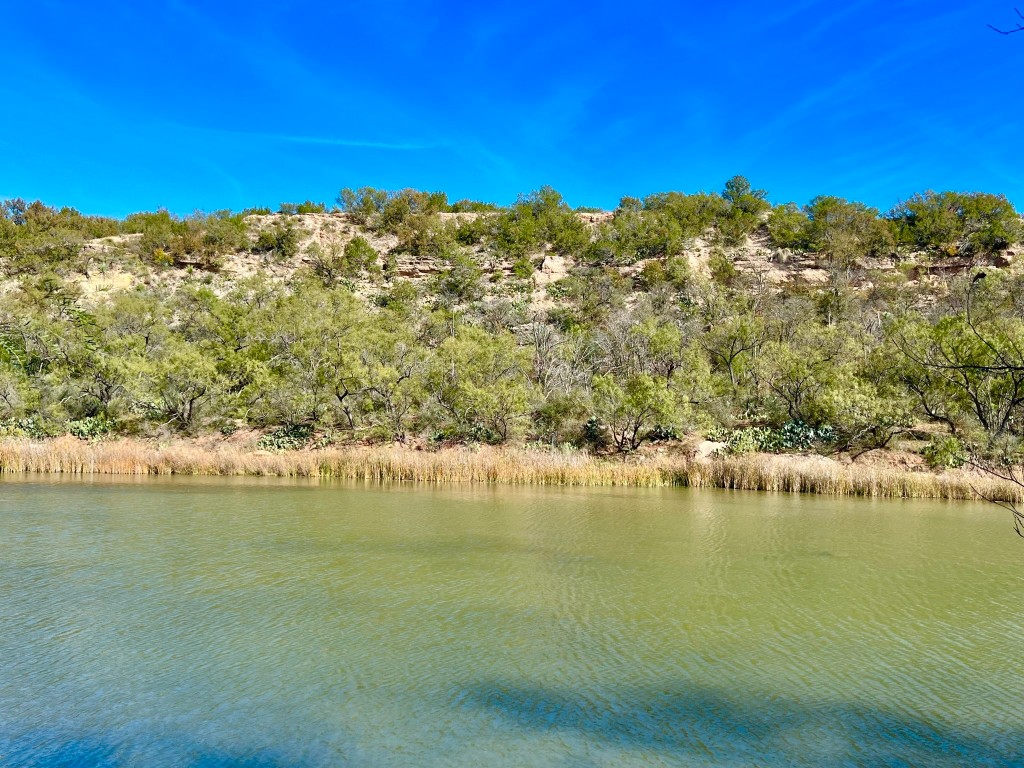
x,y
1007,474
1020,27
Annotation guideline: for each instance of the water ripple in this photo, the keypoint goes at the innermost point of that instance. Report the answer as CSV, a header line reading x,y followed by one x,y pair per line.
x,y
209,623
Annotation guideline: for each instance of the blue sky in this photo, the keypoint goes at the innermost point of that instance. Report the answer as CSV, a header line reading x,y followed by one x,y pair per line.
x,y
116,107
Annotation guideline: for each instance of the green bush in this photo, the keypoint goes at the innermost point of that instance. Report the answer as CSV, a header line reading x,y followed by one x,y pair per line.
x,y
281,239
956,223
660,434
538,219
30,426
363,203
291,209
199,240
791,436
473,206
845,231
360,257
723,271
388,210
472,231
945,453
692,215
595,434
523,267
460,280
90,428
289,438
787,226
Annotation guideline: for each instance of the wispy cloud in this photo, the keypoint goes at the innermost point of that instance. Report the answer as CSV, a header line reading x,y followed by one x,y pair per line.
x,y
325,141
401,146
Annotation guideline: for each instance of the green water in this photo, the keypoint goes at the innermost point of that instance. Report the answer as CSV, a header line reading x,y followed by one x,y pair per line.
x,y
245,623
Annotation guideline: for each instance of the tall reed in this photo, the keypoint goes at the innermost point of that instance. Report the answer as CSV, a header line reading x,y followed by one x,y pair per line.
x,y
525,466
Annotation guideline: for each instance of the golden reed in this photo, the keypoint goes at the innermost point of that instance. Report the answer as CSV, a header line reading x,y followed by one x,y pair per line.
x,y
524,466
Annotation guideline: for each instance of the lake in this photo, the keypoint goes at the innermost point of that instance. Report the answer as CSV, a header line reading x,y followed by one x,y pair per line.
x,y
258,623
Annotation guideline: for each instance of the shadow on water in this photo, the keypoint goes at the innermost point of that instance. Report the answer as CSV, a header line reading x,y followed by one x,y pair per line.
x,y
709,727
46,749
692,726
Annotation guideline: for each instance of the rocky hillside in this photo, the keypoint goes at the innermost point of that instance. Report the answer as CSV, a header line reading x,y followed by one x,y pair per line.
x,y
118,262
825,328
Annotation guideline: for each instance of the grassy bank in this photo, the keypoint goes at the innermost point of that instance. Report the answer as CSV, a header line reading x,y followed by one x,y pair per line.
x,y
392,463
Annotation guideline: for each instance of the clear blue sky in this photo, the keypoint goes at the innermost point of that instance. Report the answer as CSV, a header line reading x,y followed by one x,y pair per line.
x,y
115,107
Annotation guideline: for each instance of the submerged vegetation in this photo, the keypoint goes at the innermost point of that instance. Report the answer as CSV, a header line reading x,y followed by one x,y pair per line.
x,y
398,316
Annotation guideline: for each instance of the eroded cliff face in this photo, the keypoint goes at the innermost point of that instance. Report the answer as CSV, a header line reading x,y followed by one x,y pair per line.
x,y
113,263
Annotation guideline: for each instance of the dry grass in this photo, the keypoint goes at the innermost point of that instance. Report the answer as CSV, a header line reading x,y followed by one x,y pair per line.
x,y
807,474
754,472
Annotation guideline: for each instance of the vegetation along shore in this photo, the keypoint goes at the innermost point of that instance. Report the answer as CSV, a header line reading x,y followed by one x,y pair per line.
x,y
707,339
499,465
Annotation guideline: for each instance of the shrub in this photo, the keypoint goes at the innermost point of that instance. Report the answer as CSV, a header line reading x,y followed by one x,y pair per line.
x,y
845,231
523,267
90,428
945,453
652,274
956,223
281,240
538,219
288,438
661,433
791,436
472,232
425,235
30,426
473,206
291,209
557,419
360,204
787,226
723,271
360,257
595,434
401,297
693,215
460,280
198,240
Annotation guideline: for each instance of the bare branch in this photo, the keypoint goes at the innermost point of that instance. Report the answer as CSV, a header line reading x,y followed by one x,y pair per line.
x,y
1008,474
1020,27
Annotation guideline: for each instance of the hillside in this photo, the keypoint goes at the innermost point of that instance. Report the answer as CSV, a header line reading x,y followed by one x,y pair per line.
x,y
113,263
399,316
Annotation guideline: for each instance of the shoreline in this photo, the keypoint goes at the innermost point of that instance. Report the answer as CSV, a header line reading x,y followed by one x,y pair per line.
x,y
790,473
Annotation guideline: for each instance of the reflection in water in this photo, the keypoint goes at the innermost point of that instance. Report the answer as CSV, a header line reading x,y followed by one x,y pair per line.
x,y
241,623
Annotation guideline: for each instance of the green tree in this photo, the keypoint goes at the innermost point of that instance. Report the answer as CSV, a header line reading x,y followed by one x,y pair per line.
x,y
177,384
460,279
395,368
955,223
746,209
479,383
968,373
363,203
845,231
538,219
314,373
788,226
632,407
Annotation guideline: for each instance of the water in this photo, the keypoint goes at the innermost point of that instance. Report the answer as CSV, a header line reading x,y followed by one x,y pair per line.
x,y
245,623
